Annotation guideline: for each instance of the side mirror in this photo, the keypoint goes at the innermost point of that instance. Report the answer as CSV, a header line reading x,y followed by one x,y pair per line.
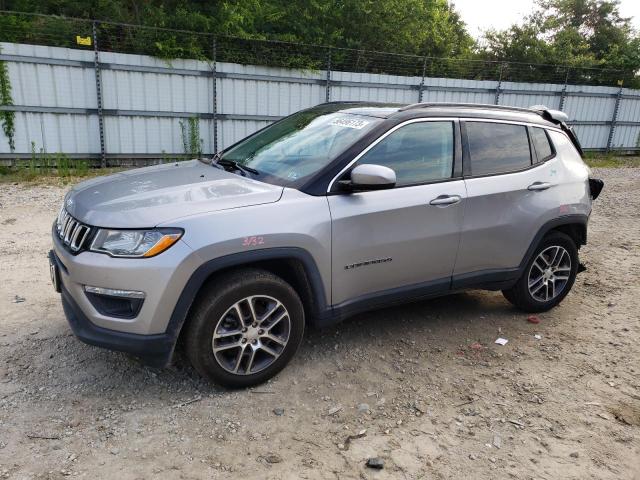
x,y
370,177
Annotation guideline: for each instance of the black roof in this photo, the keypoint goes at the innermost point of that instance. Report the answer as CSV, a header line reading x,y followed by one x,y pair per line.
x,y
436,109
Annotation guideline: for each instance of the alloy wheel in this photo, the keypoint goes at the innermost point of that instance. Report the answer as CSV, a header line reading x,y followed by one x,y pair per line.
x,y
549,273
251,335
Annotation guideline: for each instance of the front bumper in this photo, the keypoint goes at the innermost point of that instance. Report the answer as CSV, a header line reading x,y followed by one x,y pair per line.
x,y
153,350
146,334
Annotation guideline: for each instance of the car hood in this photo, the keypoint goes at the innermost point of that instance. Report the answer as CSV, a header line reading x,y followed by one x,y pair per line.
x,y
146,197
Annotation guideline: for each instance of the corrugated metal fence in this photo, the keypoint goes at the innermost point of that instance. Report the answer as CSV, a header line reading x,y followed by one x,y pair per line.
x,y
122,106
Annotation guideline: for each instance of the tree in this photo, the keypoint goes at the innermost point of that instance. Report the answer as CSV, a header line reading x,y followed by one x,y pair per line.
x,y
580,33
429,27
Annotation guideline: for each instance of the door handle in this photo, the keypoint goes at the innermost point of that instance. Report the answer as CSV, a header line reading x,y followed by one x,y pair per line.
x,y
445,200
537,186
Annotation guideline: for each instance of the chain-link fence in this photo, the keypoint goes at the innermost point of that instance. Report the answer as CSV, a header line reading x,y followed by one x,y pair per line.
x,y
187,93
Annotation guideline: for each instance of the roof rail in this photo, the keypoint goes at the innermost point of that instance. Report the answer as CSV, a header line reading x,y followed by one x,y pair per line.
x,y
554,116
467,105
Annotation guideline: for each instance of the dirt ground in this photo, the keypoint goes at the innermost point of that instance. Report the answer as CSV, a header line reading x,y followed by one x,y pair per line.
x,y
435,396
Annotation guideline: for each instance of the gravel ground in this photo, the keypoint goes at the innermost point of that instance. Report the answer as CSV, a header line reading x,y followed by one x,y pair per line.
x,y
422,387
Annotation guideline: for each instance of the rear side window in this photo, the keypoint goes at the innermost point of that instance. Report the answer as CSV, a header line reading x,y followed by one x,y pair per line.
x,y
541,144
420,152
497,147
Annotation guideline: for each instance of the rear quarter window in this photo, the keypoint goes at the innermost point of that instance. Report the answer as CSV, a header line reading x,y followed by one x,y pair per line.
x,y
541,143
497,147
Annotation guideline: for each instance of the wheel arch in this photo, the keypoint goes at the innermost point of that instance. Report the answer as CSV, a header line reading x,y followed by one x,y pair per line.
x,y
575,226
577,232
294,265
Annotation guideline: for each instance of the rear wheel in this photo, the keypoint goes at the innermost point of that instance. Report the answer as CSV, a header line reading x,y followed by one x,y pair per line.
x,y
549,275
245,328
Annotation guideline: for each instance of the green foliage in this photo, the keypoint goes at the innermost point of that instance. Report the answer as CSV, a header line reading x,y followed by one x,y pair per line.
x,y
42,163
586,35
191,141
7,118
77,169
611,160
583,34
408,26
419,27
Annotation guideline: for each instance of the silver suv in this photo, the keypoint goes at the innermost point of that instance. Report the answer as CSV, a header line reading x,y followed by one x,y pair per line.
x,y
335,210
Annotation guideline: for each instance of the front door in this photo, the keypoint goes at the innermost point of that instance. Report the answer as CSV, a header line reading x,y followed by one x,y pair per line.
x,y
405,238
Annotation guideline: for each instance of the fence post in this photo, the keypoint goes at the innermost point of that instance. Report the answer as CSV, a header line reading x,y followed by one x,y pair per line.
x,y
614,117
497,99
98,75
214,73
327,96
563,93
421,87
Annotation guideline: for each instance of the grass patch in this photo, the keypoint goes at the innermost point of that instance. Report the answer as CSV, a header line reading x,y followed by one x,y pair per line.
x,y
63,174
611,160
57,168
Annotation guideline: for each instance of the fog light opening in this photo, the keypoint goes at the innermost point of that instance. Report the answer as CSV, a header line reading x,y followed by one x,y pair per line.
x,y
115,302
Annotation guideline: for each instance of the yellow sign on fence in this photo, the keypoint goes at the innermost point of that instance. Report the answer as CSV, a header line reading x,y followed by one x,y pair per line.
x,y
83,40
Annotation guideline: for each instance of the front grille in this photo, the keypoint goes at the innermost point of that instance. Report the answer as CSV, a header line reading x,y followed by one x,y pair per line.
x,y
73,233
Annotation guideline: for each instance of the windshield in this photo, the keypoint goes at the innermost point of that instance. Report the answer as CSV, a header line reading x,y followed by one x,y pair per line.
x,y
291,150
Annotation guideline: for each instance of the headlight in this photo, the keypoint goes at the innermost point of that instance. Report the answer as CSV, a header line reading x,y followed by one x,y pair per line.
x,y
135,243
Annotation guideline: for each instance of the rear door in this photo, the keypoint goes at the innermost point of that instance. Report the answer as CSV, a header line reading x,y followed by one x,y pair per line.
x,y
508,193
405,238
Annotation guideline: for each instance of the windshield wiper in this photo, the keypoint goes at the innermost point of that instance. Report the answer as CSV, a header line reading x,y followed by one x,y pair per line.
x,y
214,160
223,162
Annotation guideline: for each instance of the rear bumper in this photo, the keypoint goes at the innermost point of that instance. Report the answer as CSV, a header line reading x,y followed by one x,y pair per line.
x,y
154,350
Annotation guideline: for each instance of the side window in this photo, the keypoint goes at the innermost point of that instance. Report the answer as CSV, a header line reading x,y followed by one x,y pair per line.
x,y
497,147
419,152
541,144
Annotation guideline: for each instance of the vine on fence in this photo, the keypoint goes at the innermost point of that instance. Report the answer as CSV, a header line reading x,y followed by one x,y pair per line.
x,y
191,141
6,116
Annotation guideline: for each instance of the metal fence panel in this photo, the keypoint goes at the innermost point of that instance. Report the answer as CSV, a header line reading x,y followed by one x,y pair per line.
x,y
626,136
592,136
364,86
528,94
73,134
233,130
589,108
145,99
629,108
458,90
37,84
267,91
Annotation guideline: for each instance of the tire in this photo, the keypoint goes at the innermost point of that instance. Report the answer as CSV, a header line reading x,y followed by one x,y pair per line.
x,y
246,353
544,296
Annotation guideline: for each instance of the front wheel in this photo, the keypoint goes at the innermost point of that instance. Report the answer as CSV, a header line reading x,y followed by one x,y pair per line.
x,y
549,275
245,328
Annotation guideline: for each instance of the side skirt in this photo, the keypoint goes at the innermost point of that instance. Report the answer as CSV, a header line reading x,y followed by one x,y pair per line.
x,y
382,299
495,279
485,280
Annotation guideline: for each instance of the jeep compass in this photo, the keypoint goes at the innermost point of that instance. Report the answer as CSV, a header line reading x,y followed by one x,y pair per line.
x,y
334,210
